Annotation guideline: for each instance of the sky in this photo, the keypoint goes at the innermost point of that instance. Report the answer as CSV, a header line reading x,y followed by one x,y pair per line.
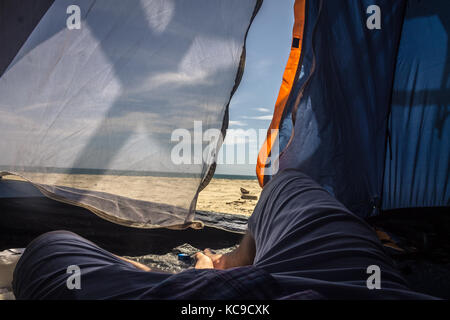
x,y
268,46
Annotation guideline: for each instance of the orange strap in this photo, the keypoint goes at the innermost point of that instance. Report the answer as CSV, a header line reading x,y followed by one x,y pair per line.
x,y
285,89
387,241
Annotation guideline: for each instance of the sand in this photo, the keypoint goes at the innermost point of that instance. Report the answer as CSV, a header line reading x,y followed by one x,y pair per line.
x,y
224,195
8,261
221,195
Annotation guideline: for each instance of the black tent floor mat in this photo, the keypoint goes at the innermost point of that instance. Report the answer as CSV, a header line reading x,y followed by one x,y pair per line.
x,y
23,219
424,235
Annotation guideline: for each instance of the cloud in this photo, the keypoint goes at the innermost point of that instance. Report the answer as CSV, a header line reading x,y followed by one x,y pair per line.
x,y
262,109
237,123
265,117
205,57
15,122
176,79
158,14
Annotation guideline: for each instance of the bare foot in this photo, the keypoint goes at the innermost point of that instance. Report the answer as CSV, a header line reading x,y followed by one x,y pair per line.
x,y
203,261
219,261
138,265
243,255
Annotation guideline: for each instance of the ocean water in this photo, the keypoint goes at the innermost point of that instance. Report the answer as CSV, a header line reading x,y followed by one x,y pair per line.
x,y
234,177
126,173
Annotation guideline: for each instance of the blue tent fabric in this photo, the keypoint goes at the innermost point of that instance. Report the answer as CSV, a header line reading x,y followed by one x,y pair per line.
x,y
418,154
340,130
305,64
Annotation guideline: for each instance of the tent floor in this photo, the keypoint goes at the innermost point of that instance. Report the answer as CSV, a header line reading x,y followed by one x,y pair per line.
x,y
424,234
23,219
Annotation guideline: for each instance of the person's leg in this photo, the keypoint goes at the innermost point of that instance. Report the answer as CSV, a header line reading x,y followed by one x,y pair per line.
x,y
50,260
306,239
243,255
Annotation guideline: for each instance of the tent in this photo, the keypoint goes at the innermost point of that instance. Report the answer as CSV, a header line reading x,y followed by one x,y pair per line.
x,y
364,111
363,106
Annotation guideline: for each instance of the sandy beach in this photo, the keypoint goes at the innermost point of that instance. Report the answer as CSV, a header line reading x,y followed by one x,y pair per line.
x,y
221,195
224,195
